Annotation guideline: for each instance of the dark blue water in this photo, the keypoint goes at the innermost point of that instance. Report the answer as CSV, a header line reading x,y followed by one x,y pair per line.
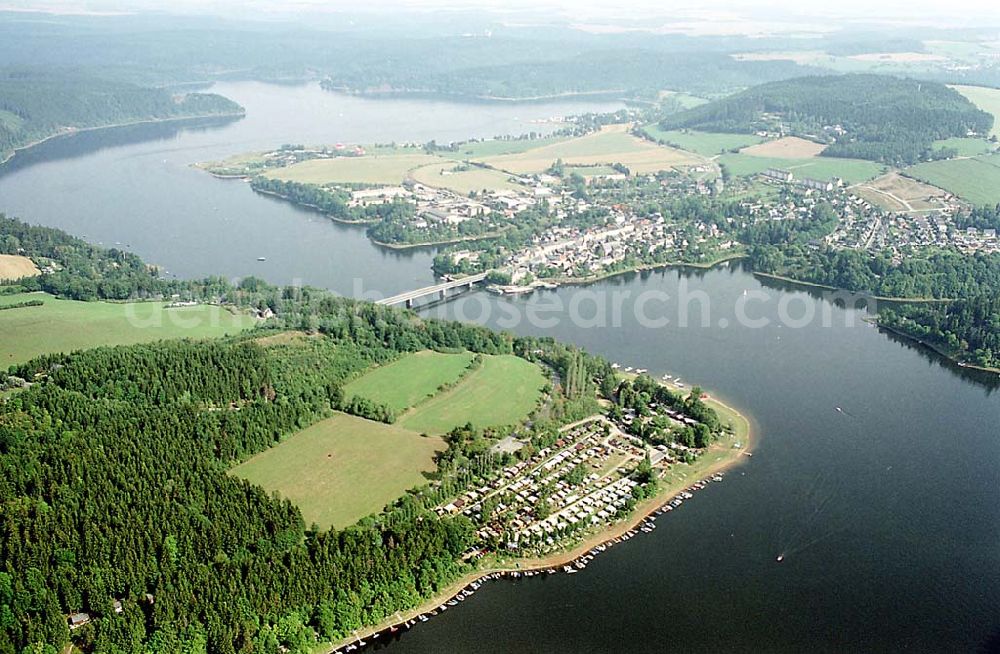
x,y
887,511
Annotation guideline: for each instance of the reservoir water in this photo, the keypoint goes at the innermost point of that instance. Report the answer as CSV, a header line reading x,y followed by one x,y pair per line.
x,y
876,470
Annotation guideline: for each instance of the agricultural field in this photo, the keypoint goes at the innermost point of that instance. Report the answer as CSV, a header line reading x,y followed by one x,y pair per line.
x,y
66,325
463,182
851,170
343,468
13,266
707,144
497,147
368,169
788,147
976,180
966,147
986,99
613,144
895,192
502,391
410,379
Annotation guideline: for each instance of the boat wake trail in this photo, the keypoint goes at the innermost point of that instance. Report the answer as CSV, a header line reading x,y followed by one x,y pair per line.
x,y
845,412
799,529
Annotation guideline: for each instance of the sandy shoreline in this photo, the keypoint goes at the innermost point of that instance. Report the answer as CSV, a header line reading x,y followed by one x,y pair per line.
x,y
607,536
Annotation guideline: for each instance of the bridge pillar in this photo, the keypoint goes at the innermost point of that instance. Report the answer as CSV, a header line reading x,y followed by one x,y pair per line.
x,y
409,304
443,293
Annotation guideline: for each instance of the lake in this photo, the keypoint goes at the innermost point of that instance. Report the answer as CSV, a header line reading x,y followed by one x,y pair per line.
x,y
135,186
876,470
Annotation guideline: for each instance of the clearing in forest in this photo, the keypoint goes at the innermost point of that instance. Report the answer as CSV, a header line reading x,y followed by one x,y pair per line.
x,y
343,468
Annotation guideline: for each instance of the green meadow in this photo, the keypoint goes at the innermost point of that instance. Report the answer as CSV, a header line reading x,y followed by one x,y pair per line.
x,y
502,391
409,380
704,143
851,171
976,180
65,325
343,468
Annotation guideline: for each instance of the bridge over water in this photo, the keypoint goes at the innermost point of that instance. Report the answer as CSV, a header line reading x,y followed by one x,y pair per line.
x,y
441,290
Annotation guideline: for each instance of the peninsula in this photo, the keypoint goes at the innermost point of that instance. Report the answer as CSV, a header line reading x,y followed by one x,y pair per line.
x,y
331,433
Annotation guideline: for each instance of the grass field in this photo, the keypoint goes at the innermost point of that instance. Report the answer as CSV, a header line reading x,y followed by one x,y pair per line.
x,y
408,380
788,147
851,170
967,147
343,468
502,391
13,266
613,144
65,325
976,180
704,143
441,175
377,169
986,99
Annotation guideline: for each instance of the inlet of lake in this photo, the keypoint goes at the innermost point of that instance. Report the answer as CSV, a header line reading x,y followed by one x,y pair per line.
x,y
876,467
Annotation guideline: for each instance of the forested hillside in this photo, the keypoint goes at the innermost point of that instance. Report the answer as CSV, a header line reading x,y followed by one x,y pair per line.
x,y
114,489
881,118
36,105
621,73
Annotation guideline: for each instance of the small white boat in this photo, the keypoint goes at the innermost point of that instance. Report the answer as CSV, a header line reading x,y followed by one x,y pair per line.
x,y
261,258
781,557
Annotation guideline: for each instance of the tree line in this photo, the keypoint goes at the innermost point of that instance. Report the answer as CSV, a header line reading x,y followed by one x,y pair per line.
x,y
35,105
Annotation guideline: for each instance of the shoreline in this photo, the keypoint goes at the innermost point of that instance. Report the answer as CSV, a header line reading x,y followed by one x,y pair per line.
x,y
585,281
931,346
343,221
427,244
880,298
612,534
294,203
134,123
608,94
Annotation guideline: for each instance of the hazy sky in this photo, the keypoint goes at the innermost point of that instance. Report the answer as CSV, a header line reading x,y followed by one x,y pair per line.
x,y
724,12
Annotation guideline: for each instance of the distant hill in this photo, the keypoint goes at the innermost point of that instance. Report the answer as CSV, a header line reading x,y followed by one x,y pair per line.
x,y
875,117
34,105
